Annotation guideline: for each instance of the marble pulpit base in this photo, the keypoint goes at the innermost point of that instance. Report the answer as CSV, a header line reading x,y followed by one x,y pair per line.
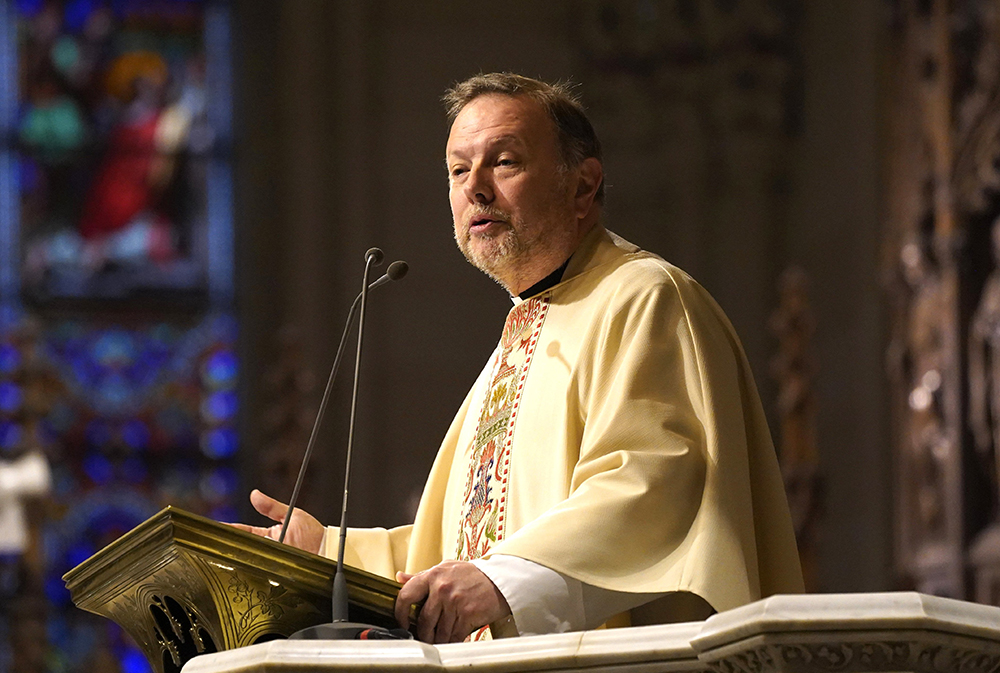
x,y
821,633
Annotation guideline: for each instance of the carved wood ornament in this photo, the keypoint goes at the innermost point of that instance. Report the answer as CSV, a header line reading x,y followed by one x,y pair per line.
x,y
942,180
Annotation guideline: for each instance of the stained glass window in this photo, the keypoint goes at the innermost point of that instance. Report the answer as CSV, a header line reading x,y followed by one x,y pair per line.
x,y
117,333
116,132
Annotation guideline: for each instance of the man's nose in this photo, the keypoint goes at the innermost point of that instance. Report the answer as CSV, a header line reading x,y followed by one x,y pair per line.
x,y
479,186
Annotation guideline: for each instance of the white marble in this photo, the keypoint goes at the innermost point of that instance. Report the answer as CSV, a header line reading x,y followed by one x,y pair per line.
x,y
309,656
668,646
802,634
903,631
849,612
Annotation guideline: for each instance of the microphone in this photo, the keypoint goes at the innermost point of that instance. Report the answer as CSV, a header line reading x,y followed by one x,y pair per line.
x,y
340,622
341,628
375,256
395,271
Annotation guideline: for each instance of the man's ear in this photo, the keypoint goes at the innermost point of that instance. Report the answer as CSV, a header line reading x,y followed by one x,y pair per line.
x,y
591,175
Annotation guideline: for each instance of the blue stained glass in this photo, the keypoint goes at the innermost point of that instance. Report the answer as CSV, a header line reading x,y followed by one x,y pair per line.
x,y
115,394
29,175
10,397
163,335
77,13
79,553
56,591
223,327
10,358
30,7
173,420
134,471
10,434
83,369
55,130
65,55
180,481
114,349
220,406
99,469
69,332
133,661
98,432
10,316
61,417
147,369
47,435
108,367
220,369
219,443
224,513
135,434
219,483
125,8
58,631
63,482
111,522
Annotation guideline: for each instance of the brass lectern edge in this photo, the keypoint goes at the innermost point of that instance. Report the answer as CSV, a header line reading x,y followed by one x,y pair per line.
x,y
283,556
151,542
147,544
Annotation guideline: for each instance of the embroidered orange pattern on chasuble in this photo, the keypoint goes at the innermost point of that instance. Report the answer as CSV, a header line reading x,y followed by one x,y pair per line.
x,y
484,504
482,520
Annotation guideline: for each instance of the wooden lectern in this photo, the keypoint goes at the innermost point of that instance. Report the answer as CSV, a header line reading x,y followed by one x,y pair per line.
x,y
183,585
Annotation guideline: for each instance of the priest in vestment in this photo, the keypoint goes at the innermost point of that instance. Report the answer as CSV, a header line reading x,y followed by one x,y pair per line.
x,y
611,463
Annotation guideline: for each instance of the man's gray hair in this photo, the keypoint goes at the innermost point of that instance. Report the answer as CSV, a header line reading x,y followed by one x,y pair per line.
x,y
577,139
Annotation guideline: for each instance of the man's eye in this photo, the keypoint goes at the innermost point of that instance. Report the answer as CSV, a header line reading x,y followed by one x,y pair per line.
x,y
505,162
457,171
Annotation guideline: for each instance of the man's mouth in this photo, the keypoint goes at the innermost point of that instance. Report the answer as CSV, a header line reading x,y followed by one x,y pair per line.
x,y
483,224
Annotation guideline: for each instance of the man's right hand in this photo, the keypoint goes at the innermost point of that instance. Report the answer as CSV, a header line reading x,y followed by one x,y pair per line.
x,y
304,531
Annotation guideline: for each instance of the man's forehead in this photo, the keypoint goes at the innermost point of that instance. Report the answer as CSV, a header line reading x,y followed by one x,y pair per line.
x,y
500,140
498,119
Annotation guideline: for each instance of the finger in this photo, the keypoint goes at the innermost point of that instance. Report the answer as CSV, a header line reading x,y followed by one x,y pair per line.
x,y
412,592
256,530
403,578
268,506
427,622
445,626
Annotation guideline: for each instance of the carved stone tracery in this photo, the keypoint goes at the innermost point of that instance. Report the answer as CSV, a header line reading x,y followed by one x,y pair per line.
x,y
859,657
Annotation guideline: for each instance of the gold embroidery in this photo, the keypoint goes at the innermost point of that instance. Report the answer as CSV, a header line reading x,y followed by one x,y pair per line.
x,y
484,504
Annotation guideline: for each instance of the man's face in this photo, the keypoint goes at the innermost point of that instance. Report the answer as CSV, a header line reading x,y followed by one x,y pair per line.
x,y
511,198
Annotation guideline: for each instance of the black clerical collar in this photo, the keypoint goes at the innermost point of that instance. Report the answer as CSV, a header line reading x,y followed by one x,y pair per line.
x,y
545,283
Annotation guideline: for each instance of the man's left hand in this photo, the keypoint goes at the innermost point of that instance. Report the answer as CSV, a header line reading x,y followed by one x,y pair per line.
x,y
459,600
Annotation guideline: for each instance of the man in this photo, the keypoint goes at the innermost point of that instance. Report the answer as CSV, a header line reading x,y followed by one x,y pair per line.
x,y
612,457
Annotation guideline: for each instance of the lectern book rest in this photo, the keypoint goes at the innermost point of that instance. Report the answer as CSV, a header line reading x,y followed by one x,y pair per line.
x,y
183,585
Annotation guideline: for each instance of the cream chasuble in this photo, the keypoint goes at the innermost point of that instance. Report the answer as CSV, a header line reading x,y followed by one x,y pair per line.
x,y
615,436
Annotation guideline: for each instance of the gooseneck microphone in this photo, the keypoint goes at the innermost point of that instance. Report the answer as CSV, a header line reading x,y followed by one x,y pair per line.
x,y
395,271
373,256
341,628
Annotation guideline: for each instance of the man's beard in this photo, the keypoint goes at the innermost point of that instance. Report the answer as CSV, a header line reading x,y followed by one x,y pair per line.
x,y
494,254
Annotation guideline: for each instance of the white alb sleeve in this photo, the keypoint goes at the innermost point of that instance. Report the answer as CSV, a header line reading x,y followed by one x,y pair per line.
x,y
545,601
